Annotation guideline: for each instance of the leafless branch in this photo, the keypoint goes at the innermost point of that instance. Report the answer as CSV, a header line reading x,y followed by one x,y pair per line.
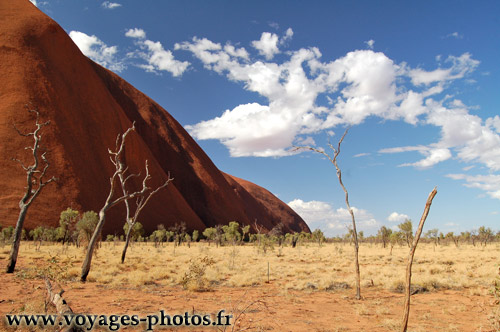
x,y
333,160
140,202
130,176
240,323
121,168
34,183
20,163
152,193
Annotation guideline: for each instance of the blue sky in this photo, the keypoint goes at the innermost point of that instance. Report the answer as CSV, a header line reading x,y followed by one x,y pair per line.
x,y
417,83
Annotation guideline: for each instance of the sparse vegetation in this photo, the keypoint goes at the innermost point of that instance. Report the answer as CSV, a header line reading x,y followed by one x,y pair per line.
x,y
86,226
67,225
136,232
296,260
445,267
194,278
384,235
231,232
296,272
406,229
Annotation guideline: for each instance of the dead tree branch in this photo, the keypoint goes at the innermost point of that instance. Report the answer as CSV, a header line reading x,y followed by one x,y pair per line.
x,y
406,314
35,182
333,160
140,203
120,168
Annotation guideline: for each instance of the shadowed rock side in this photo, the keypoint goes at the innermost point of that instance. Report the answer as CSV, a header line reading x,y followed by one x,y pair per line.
x,y
275,210
88,106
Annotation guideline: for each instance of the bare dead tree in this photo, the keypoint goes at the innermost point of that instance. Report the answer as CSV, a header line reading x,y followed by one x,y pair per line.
x,y
333,160
35,182
120,168
140,202
406,314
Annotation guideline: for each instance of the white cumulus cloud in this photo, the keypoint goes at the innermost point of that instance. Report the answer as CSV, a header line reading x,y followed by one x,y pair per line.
x,y
353,87
259,130
135,33
332,221
97,50
489,183
473,139
292,93
287,37
397,217
236,129
370,43
433,157
156,56
460,66
267,45
110,5
160,59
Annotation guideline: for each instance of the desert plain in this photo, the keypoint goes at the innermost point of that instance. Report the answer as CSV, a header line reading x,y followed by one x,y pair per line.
x,y
307,288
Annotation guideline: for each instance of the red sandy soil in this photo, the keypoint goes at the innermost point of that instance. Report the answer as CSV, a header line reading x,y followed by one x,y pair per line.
x,y
88,106
266,308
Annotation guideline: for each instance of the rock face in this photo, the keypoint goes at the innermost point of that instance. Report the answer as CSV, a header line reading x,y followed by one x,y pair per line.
x,y
88,106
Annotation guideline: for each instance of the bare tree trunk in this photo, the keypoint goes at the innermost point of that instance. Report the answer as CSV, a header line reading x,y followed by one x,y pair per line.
x,y
356,245
127,241
17,239
354,231
93,240
406,314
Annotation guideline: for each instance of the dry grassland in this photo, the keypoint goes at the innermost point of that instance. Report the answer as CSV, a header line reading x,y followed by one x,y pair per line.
x,y
296,275
305,267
